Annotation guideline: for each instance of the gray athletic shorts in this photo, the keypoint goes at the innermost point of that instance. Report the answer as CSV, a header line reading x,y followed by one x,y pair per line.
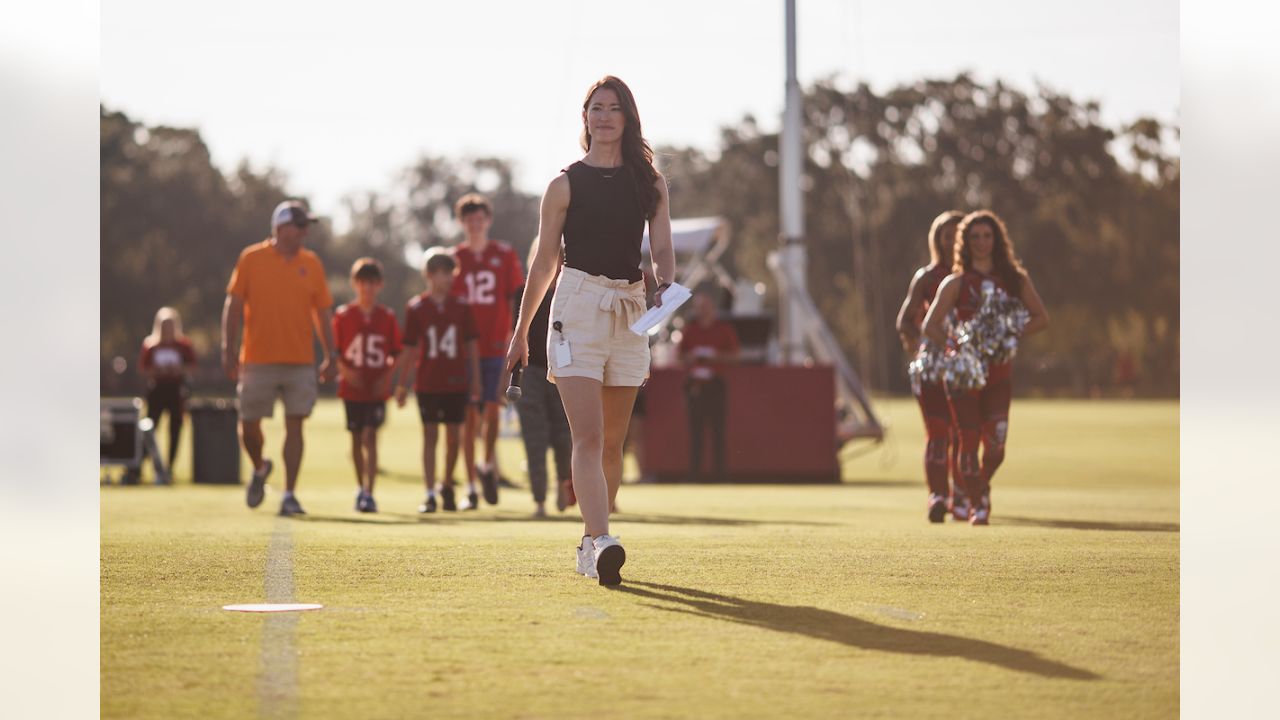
x,y
260,385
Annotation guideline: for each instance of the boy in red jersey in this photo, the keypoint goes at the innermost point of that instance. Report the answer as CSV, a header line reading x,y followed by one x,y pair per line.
x,y
368,341
489,277
448,371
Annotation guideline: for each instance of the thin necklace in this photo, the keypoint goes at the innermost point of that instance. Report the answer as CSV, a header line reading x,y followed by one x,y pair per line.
x,y
608,176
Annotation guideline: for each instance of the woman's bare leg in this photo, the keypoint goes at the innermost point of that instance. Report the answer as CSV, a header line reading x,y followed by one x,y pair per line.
x,y
584,406
618,403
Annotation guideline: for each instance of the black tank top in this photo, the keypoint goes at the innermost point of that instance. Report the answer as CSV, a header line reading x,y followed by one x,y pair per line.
x,y
604,225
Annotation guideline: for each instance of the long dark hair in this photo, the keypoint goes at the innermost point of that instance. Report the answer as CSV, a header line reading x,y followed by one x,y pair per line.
x,y
950,217
636,152
1005,263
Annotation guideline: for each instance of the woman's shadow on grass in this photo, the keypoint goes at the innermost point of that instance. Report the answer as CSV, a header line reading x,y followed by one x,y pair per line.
x,y
848,630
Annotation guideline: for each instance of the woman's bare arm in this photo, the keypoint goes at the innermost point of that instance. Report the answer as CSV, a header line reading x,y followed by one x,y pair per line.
x,y
943,303
661,249
909,314
1039,316
546,255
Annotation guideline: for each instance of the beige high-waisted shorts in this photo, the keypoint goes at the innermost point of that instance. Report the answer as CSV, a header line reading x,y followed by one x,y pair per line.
x,y
595,314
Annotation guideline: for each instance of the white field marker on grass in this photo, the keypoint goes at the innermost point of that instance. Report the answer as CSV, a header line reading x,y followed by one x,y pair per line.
x,y
278,675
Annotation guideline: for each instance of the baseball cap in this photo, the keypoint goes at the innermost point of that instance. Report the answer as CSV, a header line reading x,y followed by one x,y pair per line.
x,y
292,212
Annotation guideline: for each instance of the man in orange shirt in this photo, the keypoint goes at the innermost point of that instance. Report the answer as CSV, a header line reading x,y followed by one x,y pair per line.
x,y
279,288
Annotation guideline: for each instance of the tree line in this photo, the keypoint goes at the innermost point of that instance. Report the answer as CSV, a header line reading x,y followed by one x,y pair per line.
x,y
1092,210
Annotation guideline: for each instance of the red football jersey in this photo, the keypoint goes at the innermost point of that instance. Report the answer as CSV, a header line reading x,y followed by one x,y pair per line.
x,y
169,359
486,282
443,329
369,345
699,343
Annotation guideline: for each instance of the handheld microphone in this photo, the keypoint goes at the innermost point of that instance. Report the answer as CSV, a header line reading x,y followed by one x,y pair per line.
x,y
513,390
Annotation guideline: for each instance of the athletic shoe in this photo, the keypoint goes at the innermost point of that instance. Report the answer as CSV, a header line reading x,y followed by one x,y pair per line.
x,y
290,506
489,481
429,506
609,559
370,505
960,507
258,485
587,557
539,512
982,512
937,508
446,499
473,501
360,501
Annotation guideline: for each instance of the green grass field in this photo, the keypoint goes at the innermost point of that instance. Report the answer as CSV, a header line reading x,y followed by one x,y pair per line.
x,y
739,601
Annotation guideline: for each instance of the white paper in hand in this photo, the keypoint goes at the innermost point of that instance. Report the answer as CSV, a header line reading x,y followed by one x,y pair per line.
x,y
672,298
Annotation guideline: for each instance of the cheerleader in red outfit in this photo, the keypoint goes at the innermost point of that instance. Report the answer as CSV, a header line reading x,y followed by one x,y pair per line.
x,y
984,256
941,445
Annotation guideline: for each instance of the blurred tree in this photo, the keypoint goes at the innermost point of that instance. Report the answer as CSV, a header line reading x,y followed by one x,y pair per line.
x,y
1092,211
400,226
172,227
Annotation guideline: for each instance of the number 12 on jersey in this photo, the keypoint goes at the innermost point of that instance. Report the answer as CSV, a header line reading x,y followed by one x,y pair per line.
x,y
480,287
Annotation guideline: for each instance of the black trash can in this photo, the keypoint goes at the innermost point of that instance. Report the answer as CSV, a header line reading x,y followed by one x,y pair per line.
x,y
215,441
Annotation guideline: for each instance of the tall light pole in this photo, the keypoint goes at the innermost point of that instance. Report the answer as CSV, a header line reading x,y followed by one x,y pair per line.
x,y
791,200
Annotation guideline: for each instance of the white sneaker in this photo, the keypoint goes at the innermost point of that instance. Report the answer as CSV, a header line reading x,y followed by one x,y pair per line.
x,y
609,559
587,557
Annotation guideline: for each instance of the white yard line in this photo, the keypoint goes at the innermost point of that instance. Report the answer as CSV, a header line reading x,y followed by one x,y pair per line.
x,y
278,675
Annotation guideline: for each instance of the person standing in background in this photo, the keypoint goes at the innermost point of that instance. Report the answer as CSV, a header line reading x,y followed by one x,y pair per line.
x,y
279,290
166,361
984,261
489,276
441,360
941,442
707,344
542,420
368,339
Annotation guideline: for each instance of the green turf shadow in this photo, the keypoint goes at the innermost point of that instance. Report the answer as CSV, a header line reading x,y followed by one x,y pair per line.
x,y
847,630
1135,526
385,518
879,483
372,519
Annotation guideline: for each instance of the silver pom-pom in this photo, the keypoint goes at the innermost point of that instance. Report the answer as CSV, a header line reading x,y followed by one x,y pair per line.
x,y
928,366
992,333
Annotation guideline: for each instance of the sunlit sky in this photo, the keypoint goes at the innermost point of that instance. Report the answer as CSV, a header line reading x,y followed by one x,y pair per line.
x,y
343,96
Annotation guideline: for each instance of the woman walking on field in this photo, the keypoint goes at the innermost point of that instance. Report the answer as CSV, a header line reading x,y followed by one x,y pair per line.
x,y
940,443
984,259
599,207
